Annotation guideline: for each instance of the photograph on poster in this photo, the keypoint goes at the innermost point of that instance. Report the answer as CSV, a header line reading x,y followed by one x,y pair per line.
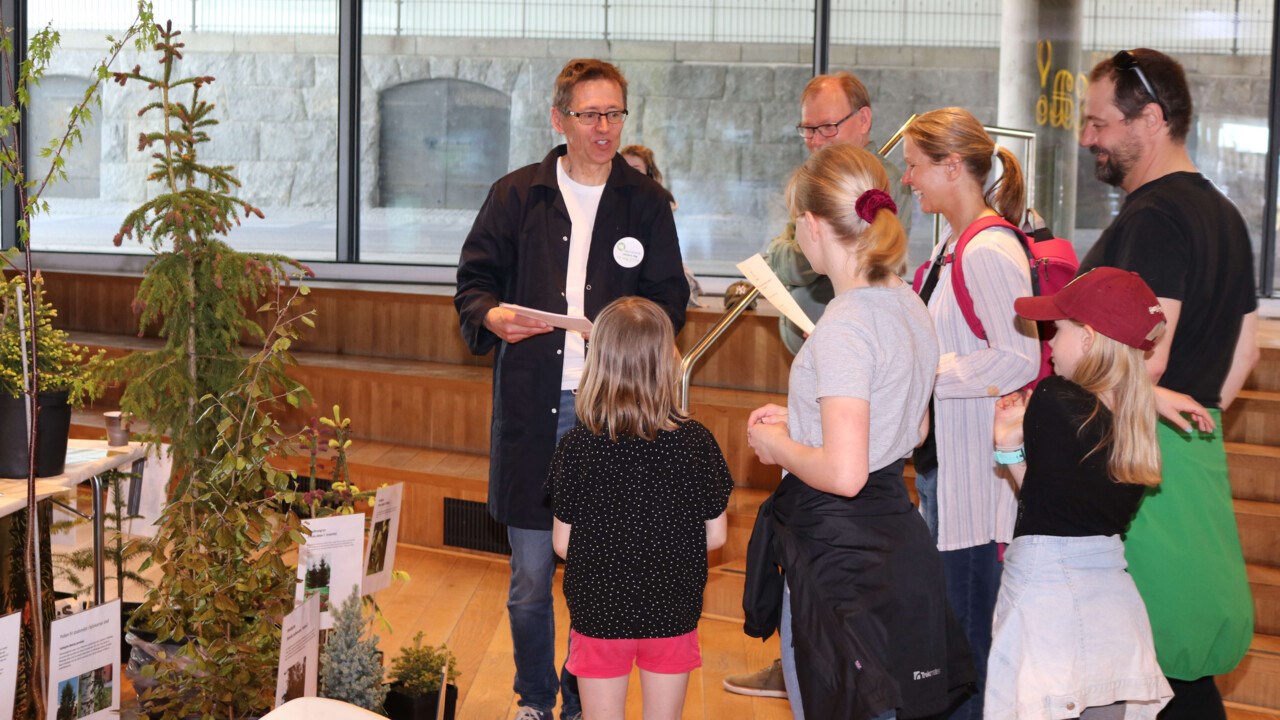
x,y
380,556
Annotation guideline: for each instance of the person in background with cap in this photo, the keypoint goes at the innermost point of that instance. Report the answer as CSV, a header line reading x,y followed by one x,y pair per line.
x,y
1071,636
1191,246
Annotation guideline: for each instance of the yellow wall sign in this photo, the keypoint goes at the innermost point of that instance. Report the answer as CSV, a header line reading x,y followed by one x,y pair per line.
x,y
1058,108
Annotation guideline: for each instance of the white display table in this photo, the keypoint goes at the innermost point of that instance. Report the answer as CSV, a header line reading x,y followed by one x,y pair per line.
x,y
13,493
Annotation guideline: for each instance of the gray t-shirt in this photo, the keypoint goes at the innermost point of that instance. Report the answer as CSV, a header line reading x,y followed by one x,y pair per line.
x,y
873,343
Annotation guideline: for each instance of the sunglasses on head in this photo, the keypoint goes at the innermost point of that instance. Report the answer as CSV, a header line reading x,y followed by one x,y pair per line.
x,y
1125,60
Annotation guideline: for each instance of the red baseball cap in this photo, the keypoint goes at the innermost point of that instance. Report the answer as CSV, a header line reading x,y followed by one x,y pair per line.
x,y
1114,302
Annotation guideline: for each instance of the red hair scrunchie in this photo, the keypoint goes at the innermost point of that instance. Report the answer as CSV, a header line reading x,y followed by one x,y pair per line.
x,y
871,202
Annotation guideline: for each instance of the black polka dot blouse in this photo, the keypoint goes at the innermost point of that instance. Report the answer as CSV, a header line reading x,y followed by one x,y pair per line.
x,y
637,562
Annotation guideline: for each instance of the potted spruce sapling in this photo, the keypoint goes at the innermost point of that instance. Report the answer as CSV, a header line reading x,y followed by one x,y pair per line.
x,y
417,675
223,534
350,663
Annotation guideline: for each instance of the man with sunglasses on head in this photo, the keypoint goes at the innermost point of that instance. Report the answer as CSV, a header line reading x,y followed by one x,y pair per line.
x,y
1190,244
834,109
567,235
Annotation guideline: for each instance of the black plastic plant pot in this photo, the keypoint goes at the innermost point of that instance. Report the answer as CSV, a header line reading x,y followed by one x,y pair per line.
x,y
55,425
402,706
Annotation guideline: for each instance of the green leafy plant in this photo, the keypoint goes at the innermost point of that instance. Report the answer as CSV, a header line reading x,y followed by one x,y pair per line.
x,y
221,545
419,669
224,532
350,664
61,364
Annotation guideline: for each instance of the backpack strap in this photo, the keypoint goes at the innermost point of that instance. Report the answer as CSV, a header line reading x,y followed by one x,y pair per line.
x,y
963,298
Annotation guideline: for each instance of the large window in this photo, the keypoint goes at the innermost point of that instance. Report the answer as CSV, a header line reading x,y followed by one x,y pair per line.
x,y
275,65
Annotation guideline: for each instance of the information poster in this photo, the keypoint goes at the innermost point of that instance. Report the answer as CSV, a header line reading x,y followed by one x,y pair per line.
x,y
380,555
329,562
10,626
299,652
84,664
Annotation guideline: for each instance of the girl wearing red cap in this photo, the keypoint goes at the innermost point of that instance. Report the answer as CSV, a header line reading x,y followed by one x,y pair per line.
x,y
1071,636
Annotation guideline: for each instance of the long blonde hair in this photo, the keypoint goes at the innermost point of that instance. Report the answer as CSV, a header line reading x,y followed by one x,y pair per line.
x,y
938,133
828,185
1116,374
629,380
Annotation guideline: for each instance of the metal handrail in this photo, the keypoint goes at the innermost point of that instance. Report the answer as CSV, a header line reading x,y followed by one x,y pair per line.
x,y
897,138
695,353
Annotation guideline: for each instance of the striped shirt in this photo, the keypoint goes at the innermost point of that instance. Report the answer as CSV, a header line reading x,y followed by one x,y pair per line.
x,y
976,500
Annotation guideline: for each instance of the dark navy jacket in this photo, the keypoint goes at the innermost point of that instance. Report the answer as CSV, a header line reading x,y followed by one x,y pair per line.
x,y
518,252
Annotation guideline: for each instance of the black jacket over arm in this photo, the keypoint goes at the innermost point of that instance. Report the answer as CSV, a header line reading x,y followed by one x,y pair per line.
x,y
518,252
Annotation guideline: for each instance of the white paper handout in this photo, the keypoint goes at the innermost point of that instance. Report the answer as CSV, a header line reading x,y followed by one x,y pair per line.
x,y
758,273
10,626
380,555
299,652
84,664
329,562
568,322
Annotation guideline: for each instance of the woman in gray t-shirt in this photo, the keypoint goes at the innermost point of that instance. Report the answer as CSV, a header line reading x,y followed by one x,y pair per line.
x,y
865,628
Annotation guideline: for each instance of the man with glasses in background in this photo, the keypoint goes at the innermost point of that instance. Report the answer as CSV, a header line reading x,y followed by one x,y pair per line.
x,y
834,109
567,235
1190,244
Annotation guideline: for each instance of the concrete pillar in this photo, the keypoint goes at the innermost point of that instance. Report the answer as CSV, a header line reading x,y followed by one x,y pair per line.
x,y
1041,88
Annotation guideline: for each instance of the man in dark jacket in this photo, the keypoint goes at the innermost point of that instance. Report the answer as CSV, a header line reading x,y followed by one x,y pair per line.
x,y
568,236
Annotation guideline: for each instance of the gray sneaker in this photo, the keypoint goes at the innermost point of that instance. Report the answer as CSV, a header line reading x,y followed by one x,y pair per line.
x,y
766,682
531,713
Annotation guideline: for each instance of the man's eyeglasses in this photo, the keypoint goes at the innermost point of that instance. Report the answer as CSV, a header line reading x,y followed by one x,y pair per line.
x,y
825,129
591,117
1124,60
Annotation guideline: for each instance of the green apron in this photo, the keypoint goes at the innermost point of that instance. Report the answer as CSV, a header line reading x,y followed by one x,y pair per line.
x,y
1184,554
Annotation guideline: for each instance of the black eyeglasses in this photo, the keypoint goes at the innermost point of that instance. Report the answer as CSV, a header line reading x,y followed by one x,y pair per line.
x,y
825,129
1124,60
591,117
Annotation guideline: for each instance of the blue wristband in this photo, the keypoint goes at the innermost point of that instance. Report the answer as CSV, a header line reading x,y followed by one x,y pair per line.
x,y
1011,457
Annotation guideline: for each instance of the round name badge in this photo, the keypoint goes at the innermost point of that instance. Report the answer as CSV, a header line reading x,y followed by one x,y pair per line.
x,y
628,252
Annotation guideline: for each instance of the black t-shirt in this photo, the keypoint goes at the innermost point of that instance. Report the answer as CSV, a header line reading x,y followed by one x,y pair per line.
x,y
637,563
1189,242
1064,493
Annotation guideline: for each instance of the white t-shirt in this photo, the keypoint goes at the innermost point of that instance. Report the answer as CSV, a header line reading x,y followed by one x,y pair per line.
x,y
582,202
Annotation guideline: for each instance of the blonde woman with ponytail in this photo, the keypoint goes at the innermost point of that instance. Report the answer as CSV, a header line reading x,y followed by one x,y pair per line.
x,y
862,613
1071,636
967,501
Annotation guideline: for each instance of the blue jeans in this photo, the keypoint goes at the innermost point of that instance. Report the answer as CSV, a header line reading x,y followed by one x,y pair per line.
x,y
532,614
973,583
789,676
927,492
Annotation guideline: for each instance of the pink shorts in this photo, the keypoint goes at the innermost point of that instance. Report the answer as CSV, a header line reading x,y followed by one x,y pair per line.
x,y
595,658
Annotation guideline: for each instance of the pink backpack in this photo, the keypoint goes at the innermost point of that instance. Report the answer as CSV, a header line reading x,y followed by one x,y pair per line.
x,y
1053,264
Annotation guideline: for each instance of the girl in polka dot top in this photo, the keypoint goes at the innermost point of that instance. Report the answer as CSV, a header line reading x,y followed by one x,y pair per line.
x,y
639,493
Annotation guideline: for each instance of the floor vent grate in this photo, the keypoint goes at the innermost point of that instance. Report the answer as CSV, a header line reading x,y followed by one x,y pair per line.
x,y
468,524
